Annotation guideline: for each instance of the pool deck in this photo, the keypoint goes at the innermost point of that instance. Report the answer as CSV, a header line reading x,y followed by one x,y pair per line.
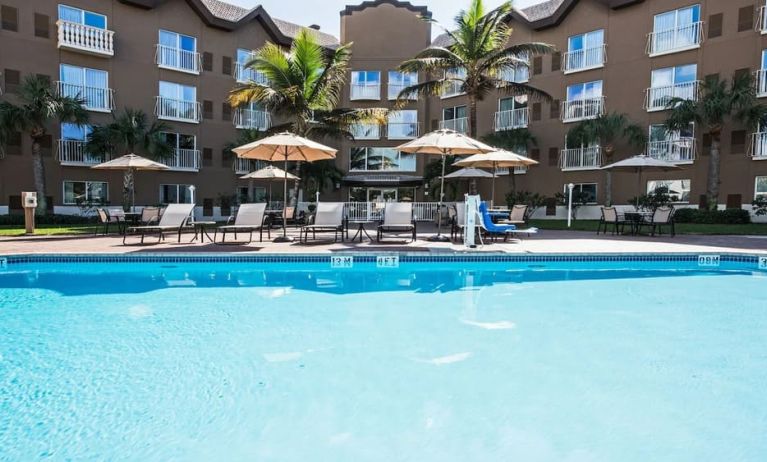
x,y
546,242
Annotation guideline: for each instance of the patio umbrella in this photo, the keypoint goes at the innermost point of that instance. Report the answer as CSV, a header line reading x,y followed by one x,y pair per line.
x,y
639,164
130,163
495,160
270,174
444,143
285,147
469,174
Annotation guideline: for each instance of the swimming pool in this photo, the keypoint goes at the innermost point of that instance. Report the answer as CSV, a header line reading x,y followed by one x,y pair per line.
x,y
555,358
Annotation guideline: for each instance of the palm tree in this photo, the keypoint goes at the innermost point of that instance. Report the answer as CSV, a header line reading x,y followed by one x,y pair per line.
x,y
303,87
130,133
38,106
515,139
607,130
479,50
716,103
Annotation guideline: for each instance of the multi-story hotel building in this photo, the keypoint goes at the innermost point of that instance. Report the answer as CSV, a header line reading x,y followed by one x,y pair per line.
x,y
178,59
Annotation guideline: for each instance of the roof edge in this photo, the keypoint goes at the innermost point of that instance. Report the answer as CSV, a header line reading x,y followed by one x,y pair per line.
x,y
564,9
374,3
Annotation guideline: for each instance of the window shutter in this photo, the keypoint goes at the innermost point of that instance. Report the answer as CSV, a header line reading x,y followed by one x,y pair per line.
x,y
226,158
734,201
537,65
42,26
715,25
535,154
536,112
12,80
746,18
226,112
226,65
553,157
207,157
742,73
554,112
9,18
207,109
207,61
556,61
737,142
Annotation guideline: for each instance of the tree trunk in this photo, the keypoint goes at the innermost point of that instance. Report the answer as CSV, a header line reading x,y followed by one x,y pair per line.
x,y
127,189
38,168
608,188
712,192
472,131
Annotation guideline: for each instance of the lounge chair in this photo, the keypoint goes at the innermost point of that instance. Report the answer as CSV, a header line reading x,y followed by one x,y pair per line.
x,y
329,218
174,218
249,218
398,218
517,216
663,216
610,217
106,220
494,229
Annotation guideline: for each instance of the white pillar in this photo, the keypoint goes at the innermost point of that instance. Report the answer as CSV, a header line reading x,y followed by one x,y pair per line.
x,y
569,203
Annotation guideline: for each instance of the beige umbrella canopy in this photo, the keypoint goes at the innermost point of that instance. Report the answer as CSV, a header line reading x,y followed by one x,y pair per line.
x,y
496,159
286,147
130,163
270,174
444,143
639,164
468,173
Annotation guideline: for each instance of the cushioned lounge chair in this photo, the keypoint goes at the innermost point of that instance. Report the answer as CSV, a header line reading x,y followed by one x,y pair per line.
x,y
494,230
249,218
174,219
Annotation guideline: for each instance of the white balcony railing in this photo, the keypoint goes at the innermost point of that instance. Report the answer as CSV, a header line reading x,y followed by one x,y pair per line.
x,y
758,150
583,109
84,38
587,58
460,125
583,158
504,171
395,89
761,20
680,150
252,119
402,130
676,39
760,81
186,160
514,118
179,110
96,98
366,131
242,166
365,91
658,98
72,152
244,74
177,59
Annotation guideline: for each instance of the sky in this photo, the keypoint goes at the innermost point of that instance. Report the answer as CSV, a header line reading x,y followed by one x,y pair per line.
x,y
325,13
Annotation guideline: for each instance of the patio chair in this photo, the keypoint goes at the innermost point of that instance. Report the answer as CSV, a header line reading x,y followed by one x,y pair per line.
x,y
106,220
610,217
290,215
494,230
249,218
662,216
174,218
328,218
150,215
398,218
517,216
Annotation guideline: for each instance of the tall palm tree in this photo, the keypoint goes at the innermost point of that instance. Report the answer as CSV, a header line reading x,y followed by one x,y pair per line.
x,y
607,130
717,103
38,106
481,52
515,139
303,87
130,133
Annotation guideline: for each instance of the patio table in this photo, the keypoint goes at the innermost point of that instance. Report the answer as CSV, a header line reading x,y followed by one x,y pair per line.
x,y
360,229
201,230
635,220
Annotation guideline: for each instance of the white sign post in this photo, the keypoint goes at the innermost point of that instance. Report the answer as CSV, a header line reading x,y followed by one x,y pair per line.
x,y
469,231
569,203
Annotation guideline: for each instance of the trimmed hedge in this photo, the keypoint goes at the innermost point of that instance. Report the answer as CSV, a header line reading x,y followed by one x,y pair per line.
x,y
18,220
713,217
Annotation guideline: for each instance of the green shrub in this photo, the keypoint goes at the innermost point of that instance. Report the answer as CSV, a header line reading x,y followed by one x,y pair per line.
x,y
760,205
18,220
713,217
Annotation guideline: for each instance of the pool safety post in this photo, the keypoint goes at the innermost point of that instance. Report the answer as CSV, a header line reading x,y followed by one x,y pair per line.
x,y
29,201
570,203
470,230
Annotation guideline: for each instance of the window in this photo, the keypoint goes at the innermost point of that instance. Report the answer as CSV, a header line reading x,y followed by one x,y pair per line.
x,y
252,115
675,146
92,85
403,125
366,85
672,82
85,192
398,81
584,101
244,74
178,101
585,51
455,118
180,141
585,191
760,187
512,113
676,30
519,73
678,190
584,91
761,76
378,159
177,51
74,132
86,18
454,78
175,194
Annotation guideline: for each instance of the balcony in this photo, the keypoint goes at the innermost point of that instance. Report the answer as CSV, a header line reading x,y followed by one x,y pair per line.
x,y
585,59
514,118
252,119
677,151
244,74
758,149
760,81
178,110
453,88
583,158
658,98
371,92
72,153
504,171
86,39
402,130
582,109
674,40
461,125
518,74
761,20
184,160
366,131
177,59
244,166
395,89
97,99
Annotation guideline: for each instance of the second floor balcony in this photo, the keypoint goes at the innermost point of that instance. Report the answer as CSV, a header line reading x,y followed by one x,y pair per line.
x,y
244,74
183,160
508,120
658,98
680,38
583,109
677,151
177,59
178,110
97,99
758,148
244,166
252,119
365,91
584,59
72,153
582,158
86,39
461,124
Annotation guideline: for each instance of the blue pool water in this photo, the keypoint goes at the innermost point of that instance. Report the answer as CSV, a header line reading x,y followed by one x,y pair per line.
x,y
426,362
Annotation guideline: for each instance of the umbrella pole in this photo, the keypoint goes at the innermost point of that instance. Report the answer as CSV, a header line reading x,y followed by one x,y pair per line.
x,y
284,237
132,191
492,194
639,186
439,237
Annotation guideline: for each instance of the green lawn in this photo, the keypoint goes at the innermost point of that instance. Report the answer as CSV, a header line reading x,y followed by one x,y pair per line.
x,y
49,230
681,228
